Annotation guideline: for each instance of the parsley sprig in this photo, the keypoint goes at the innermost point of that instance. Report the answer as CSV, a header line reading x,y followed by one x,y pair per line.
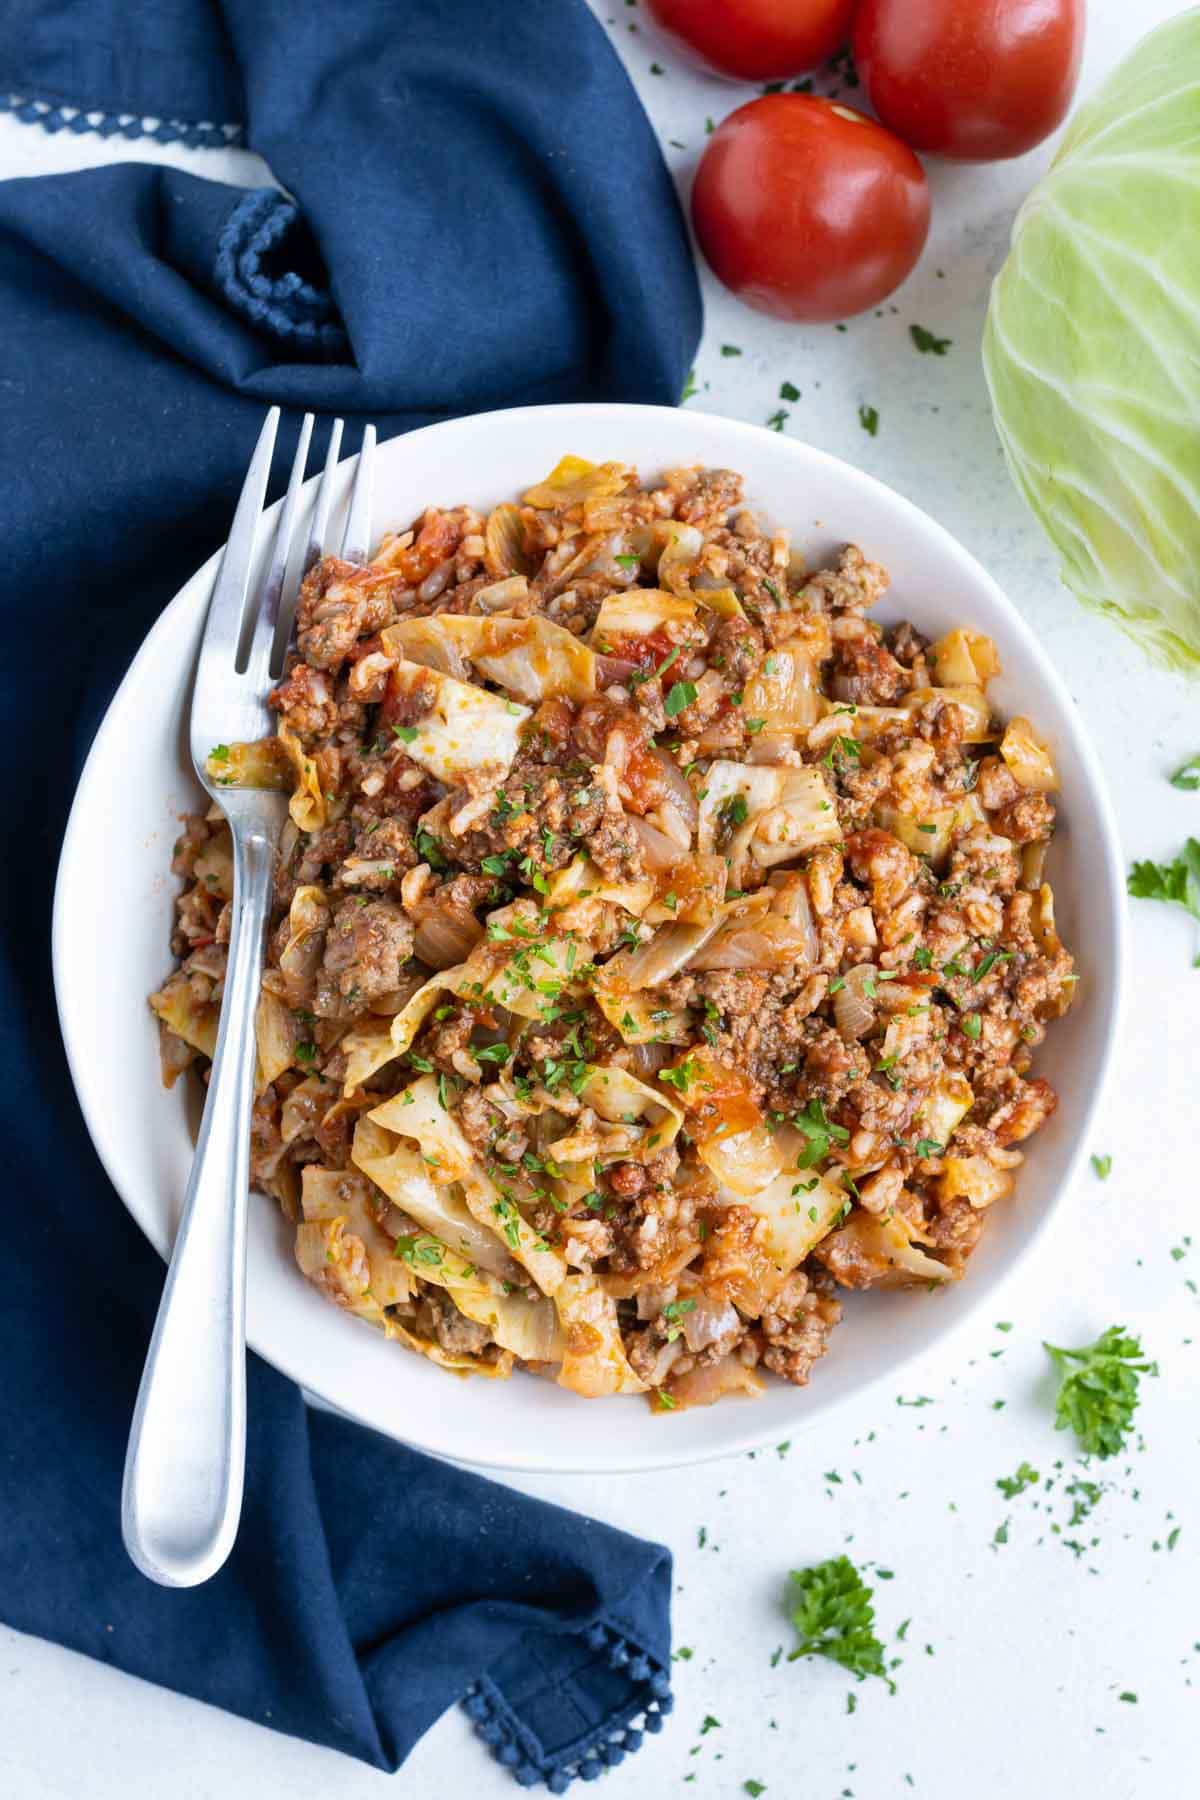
x,y
1098,1390
1176,882
834,1617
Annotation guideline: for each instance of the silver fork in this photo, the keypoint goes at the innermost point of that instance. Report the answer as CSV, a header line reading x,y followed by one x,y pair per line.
x,y
184,1468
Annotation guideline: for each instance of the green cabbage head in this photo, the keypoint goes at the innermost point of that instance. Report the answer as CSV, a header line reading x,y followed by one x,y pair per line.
x,y
1092,347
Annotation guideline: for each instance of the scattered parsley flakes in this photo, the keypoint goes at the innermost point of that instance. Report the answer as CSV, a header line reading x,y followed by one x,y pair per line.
x,y
1098,1391
689,386
971,1025
1187,775
1012,1485
788,391
754,1788
406,733
777,420
731,350
710,1724
1103,1167
927,342
833,1617
219,753
868,418
681,694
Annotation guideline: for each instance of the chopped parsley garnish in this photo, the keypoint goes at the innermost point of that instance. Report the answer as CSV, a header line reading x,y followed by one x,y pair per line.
x,y
406,733
820,1132
628,561
1103,1167
777,420
1098,1390
429,849
972,1025
922,957
418,1249
834,1617
682,694
219,753
667,1402
988,962
868,418
1186,776
731,350
1012,1485
927,343
682,1076
306,1052
735,811
929,1147
495,865
788,391
491,1053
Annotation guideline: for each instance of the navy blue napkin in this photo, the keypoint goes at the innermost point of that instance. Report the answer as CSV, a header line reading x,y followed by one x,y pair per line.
x,y
476,214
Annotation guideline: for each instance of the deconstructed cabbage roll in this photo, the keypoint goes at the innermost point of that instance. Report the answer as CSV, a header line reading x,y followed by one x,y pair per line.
x,y
307,805
1029,760
594,1362
418,1113
574,479
531,657
464,727
370,1045
397,1169
964,659
638,613
632,1120
331,1194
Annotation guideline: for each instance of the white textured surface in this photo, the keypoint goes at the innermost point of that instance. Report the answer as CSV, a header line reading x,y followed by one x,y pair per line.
x,y
1030,1645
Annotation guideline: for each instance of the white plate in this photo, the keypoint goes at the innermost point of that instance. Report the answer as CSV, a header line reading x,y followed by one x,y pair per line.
x,y
115,891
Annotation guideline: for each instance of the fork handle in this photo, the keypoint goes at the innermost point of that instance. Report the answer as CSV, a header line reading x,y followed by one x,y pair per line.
x,y
182,1494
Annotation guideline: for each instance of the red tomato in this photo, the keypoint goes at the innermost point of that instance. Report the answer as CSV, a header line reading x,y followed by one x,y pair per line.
x,y
970,79
755,40
807,209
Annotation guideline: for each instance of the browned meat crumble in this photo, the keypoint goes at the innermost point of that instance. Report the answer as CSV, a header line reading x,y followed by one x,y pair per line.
x,y
660,945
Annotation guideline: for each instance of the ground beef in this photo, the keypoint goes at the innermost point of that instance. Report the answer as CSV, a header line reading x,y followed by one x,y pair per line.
x,y
1028,820
864,671
305,701
366,949
854,584
439,1318
795,1329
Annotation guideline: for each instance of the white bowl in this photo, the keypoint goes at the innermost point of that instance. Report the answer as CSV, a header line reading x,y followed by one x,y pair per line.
x,y
138,779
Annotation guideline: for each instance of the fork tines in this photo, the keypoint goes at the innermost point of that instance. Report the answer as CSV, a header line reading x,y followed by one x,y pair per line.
x,y
247,630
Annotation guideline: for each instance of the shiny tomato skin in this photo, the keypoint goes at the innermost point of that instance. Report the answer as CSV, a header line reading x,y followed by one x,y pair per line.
x,y
807,209
754,40
971,80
